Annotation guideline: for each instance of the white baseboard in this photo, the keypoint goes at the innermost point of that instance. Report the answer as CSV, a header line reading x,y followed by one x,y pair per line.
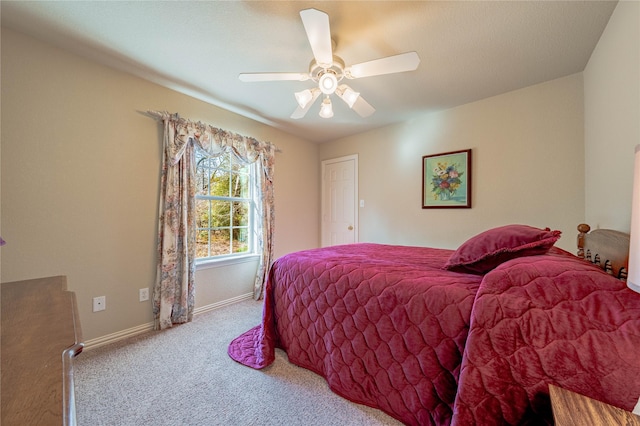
x,y
212,306
130,332
114,337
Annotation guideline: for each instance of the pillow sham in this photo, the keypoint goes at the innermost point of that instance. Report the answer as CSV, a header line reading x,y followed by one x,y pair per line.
x,y
485,251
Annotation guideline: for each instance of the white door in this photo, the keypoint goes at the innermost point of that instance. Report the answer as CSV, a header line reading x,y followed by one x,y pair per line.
x,y
339,201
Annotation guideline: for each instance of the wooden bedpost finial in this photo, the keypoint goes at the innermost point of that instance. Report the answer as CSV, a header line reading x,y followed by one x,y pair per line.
x,y
583,229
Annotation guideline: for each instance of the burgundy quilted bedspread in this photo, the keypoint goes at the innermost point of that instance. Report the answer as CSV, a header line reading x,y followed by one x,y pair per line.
x,y
385,325
551,319
389,328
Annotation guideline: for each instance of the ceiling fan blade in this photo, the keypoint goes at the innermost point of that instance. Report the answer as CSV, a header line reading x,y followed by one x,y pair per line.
x,y
316,24
273,76
391,64
362,107
301,112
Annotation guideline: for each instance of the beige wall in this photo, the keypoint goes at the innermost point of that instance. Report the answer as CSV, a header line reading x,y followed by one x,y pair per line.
x,y
612,119
79,177
527,167
80,171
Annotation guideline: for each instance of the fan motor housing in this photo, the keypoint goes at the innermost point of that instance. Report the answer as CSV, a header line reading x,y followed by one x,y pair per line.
x,y
337,68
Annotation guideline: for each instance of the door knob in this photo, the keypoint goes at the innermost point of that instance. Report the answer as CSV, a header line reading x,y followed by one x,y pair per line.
x,y
350,228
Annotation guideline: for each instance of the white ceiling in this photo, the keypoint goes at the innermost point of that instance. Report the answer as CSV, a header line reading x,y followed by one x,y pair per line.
x,y
469,50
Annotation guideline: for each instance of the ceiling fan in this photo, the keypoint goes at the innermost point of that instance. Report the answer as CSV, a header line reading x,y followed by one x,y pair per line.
x,y
328,70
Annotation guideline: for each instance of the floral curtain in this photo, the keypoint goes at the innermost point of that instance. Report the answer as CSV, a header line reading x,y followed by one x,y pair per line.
x,y
173,295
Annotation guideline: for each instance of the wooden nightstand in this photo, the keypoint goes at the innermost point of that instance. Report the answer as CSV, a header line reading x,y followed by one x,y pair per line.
x,y
570,408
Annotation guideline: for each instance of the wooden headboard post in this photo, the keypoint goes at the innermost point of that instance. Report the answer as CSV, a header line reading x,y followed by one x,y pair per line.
x,y
583,229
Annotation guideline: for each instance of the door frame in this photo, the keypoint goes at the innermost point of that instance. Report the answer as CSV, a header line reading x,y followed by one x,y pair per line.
x,y
323,205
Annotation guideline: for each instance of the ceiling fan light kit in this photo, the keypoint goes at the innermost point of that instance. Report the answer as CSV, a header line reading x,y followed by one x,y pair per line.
x,y
347,94
307,96
328,83
328,70
326,109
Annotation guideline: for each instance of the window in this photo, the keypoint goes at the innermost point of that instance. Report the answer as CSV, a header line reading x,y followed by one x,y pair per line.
x,y
225,207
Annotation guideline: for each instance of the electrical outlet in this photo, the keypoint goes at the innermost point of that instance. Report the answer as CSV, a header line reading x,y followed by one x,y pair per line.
x,y
99,303
144,294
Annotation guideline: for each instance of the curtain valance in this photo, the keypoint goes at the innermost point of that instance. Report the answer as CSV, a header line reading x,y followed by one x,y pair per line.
x,y
213,141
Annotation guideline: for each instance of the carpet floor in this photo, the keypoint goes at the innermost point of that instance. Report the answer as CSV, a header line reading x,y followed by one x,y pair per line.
x,y
183,376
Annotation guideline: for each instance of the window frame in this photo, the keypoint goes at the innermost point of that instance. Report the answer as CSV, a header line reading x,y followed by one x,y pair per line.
x,y
251,252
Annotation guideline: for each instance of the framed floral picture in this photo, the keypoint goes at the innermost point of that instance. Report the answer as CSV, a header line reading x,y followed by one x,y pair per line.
x,y
446,180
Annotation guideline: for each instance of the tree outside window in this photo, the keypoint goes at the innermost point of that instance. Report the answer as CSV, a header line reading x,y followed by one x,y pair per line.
x,y
224,206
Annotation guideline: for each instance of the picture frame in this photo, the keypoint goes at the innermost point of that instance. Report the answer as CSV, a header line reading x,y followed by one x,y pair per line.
x,y
446,180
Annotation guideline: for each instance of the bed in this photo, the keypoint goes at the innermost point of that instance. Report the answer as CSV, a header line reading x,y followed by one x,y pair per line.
x,y
468,336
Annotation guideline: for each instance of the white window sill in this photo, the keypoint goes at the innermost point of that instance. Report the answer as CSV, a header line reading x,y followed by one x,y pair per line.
x,y
226,261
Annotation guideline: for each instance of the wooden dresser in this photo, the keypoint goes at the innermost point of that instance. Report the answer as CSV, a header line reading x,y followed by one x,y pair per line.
x,y
41,335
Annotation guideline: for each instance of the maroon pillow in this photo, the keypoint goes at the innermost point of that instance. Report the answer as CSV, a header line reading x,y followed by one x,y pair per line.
x,y
485,251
